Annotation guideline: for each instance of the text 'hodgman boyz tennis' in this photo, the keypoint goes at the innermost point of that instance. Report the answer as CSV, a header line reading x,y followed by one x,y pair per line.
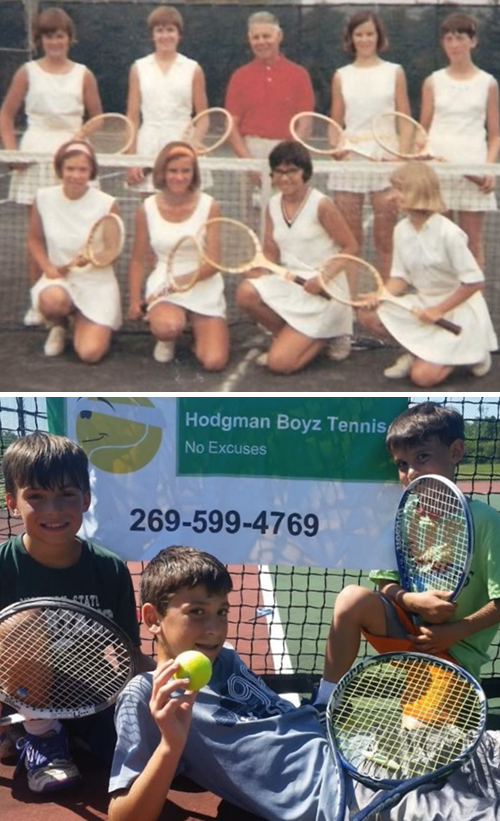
x,y
283,421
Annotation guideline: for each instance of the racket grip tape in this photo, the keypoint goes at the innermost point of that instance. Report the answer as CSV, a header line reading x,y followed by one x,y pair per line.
x,y
449,326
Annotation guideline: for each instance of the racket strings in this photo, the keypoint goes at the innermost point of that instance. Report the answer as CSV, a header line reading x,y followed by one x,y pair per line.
x,y
319,133
400,135
108,134
435,536
52,662
184,263
105,241
349,279
234,248
406,717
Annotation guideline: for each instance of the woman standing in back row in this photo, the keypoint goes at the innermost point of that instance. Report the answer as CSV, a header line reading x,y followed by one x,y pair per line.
x,y
165,88
460,111
56,93
360,90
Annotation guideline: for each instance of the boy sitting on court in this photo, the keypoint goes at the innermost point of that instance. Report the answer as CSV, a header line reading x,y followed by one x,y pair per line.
x,y
236,737
427,438
47,486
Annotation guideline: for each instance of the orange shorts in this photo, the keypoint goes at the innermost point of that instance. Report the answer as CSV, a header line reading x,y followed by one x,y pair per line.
x,y
391,644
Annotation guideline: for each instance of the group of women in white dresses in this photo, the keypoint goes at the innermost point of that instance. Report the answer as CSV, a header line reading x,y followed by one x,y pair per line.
x,y
165,88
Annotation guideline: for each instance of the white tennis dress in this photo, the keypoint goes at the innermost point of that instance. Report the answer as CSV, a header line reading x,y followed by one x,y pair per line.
x,y
458,134
54,109
166,105
66,225
435,261
207,296
303,245
366,92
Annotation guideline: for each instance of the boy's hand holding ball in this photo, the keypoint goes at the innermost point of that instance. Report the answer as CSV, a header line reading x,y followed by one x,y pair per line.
x,y
194,666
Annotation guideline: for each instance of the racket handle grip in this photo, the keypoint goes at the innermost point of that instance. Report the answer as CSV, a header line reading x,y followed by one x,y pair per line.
x,y
449,326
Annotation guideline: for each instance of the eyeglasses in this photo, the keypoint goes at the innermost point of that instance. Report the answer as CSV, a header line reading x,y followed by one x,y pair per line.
x,y
281,173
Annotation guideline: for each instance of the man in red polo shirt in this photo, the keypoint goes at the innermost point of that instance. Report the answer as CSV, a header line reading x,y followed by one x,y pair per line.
x,y
264,94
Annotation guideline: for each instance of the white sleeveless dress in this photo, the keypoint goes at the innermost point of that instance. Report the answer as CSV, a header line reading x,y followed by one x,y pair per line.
x,y
207,296
166,105
303,245
66,224
54,109
458,134
435,261
366,92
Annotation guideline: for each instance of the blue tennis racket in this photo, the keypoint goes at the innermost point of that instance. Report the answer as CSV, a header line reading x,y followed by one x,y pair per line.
x,y
434,536
401,720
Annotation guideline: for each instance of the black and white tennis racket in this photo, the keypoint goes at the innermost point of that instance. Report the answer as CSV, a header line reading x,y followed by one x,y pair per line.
x,y
434,536
181,270
104,243
401,720
60,659
108,133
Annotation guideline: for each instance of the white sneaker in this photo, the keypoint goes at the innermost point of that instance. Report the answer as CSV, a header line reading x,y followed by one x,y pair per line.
x,y
32,317
400,368
482,368
164,351
56,341
339,348
262,359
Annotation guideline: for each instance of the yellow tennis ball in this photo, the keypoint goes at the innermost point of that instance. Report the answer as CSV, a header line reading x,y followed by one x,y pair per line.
x,y
194,666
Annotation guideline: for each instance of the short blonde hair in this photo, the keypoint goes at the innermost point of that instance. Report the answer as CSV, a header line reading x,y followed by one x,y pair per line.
x,y
420,187
165,16
172,151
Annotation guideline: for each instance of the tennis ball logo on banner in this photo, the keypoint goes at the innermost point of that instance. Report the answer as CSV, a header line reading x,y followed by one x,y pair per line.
x,y
119,435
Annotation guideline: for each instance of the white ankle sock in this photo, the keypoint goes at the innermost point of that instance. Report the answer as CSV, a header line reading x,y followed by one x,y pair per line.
x,y
326,688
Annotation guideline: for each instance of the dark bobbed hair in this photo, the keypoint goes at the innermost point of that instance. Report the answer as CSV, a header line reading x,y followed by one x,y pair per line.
x,y
172,151
357,19
458,23
176,567
418,424
45,460
51,20
71,149
291,152
165,16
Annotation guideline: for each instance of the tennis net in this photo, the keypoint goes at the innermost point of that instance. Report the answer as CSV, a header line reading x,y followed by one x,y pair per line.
x,y
230,181
280,615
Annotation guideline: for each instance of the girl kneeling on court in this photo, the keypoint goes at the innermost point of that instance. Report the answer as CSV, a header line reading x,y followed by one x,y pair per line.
x,y
303,228
178,209
59,226
432,258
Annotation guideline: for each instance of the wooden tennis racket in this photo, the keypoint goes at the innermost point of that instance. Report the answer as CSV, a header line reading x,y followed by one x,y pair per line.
x,y
322,135
402,720
104,243
60,659
434,536
208,130
365,286
108,133
181,270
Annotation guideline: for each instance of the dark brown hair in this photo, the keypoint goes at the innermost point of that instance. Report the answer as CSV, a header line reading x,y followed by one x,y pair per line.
x,y
71,149
357,19
418,424
45,460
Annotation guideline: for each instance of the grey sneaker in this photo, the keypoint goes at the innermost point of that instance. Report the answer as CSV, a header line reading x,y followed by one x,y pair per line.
x,y
339,348
48,762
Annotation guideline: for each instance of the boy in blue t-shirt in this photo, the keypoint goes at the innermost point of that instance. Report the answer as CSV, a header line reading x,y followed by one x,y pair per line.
x,y
47,486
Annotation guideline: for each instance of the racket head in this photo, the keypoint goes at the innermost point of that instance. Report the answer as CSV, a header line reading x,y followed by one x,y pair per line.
x,y
229,245
105,241
184,264
317,132
59,659
433,536
400,135
400,717
108,133
209,130
350,280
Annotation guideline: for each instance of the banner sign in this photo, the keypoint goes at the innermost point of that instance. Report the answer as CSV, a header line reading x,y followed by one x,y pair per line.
x,y
294,481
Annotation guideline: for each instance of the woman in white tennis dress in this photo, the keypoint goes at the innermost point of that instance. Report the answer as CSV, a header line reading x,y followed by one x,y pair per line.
x,y
176,210
165,88
435,274
460,110
56,93
361,90
61,219
303,229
